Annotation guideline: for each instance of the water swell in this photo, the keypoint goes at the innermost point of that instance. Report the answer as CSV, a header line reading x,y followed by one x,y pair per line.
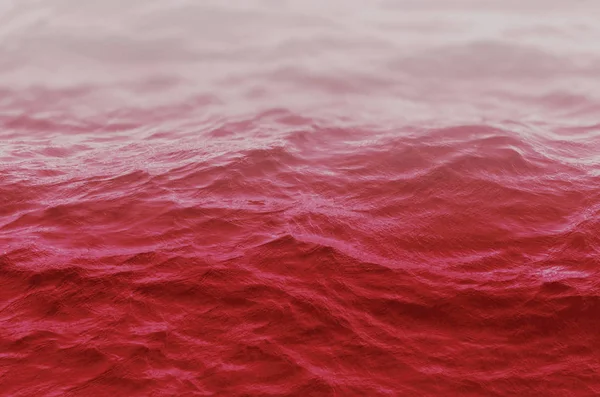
x,y
280,271
299,199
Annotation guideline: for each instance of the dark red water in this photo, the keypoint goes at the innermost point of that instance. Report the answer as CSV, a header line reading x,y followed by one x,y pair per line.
x,y
299,198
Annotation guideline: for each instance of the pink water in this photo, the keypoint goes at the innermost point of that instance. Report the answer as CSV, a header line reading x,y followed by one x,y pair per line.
x,y
299,198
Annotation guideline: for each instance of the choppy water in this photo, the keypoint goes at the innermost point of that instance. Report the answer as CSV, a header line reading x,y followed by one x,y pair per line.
x,y
299,198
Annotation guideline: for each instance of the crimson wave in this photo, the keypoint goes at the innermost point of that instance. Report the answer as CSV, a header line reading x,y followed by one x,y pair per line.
x,y
458,260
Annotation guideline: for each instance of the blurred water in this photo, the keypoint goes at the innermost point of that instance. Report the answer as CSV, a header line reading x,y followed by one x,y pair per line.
x,y
398,60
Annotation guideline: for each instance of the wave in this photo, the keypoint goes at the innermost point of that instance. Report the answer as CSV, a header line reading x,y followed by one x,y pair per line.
x,y
299,198
461,258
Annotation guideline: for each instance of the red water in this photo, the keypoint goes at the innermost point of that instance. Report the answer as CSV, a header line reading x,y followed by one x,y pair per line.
x,y
299,198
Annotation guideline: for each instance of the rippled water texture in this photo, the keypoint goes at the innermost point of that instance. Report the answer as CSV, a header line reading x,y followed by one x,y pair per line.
x,y
299,198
